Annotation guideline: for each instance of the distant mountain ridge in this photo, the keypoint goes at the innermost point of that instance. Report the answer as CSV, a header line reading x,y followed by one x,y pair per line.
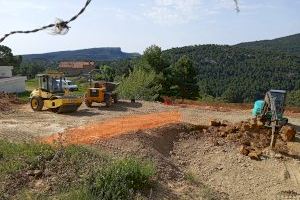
x,y
289,44
95,54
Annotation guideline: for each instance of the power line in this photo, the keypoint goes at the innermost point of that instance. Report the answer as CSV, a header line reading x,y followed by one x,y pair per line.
x,y
237,7
60,27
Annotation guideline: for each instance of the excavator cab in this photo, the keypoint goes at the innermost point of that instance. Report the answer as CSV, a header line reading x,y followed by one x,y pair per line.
x,y
271,108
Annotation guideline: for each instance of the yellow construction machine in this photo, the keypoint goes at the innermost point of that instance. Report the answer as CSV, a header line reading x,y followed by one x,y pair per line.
x,y
51,95
100,92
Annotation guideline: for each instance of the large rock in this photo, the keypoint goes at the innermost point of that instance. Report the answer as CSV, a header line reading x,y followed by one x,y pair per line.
x,y
260,124
243,150
245,127
288,133
225,123
215,123
231,129
255,155
253,121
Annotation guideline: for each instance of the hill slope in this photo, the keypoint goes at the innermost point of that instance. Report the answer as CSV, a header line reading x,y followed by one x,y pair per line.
x,y
289,44
240,74
95,54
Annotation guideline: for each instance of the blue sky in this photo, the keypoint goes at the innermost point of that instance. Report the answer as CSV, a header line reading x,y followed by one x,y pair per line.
x,y
134,25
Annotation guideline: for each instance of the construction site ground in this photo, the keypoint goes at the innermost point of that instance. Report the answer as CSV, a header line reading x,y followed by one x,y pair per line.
x,y
190,163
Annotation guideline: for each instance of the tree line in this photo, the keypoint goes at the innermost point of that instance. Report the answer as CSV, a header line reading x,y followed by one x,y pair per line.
x,y
218,72
203,72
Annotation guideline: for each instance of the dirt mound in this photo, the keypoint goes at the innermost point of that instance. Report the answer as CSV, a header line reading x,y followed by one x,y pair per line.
x,y
158,145
7,101
252,137
114,127
155,144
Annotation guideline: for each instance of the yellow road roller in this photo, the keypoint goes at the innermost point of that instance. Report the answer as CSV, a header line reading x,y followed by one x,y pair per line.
x,y
53,96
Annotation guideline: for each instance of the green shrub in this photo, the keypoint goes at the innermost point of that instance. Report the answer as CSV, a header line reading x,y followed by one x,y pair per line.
x,y
32,84
140,85
293,98
24,96
121,180
14,156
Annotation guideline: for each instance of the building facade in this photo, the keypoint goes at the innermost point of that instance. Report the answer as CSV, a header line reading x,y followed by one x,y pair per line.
x,y
76,68
10,84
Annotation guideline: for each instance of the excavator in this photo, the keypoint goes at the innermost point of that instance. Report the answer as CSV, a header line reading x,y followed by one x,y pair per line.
x,y
50,94
270,111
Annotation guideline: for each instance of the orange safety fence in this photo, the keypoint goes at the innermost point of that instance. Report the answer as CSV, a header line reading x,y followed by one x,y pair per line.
x,y
89,133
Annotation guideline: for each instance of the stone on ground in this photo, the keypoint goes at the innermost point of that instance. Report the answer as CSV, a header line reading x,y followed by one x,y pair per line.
x,y
288,133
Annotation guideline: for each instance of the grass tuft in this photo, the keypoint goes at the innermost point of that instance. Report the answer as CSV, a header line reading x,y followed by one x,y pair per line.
x,y
14,156
121,180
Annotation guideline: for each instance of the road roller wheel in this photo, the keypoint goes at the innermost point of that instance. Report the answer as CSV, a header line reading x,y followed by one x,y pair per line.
x,y
37,103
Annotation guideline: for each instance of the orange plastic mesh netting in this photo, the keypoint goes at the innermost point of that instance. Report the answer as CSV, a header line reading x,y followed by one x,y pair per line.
x,y
87,134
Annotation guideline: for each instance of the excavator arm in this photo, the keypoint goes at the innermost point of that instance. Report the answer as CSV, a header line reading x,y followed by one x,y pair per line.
x,y
272,112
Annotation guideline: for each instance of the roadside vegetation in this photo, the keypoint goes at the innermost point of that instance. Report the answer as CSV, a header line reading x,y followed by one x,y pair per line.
x,y
139,85
41,171
31,84
293,98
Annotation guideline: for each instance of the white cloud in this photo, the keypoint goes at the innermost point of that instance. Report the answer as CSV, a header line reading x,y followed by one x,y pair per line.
x,y
174,11
184,11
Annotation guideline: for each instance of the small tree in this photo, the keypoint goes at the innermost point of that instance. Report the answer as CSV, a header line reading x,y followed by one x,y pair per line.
x,y
232,95
153,56
107,74
184,78
7,57
140,84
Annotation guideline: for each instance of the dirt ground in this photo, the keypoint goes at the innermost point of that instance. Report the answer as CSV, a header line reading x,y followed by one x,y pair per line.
x,y
23,123
178,149
191,166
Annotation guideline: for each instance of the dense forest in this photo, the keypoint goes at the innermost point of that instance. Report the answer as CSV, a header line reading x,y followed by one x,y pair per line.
x,y
226,73
238,74
289,44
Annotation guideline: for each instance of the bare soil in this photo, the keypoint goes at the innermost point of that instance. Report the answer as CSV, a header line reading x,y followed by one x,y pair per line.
x,y
218,171
191,163
114,127
7,101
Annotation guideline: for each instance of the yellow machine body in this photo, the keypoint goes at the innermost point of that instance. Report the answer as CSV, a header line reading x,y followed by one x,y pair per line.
x,y
61,102
100,91
51,95
97,95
